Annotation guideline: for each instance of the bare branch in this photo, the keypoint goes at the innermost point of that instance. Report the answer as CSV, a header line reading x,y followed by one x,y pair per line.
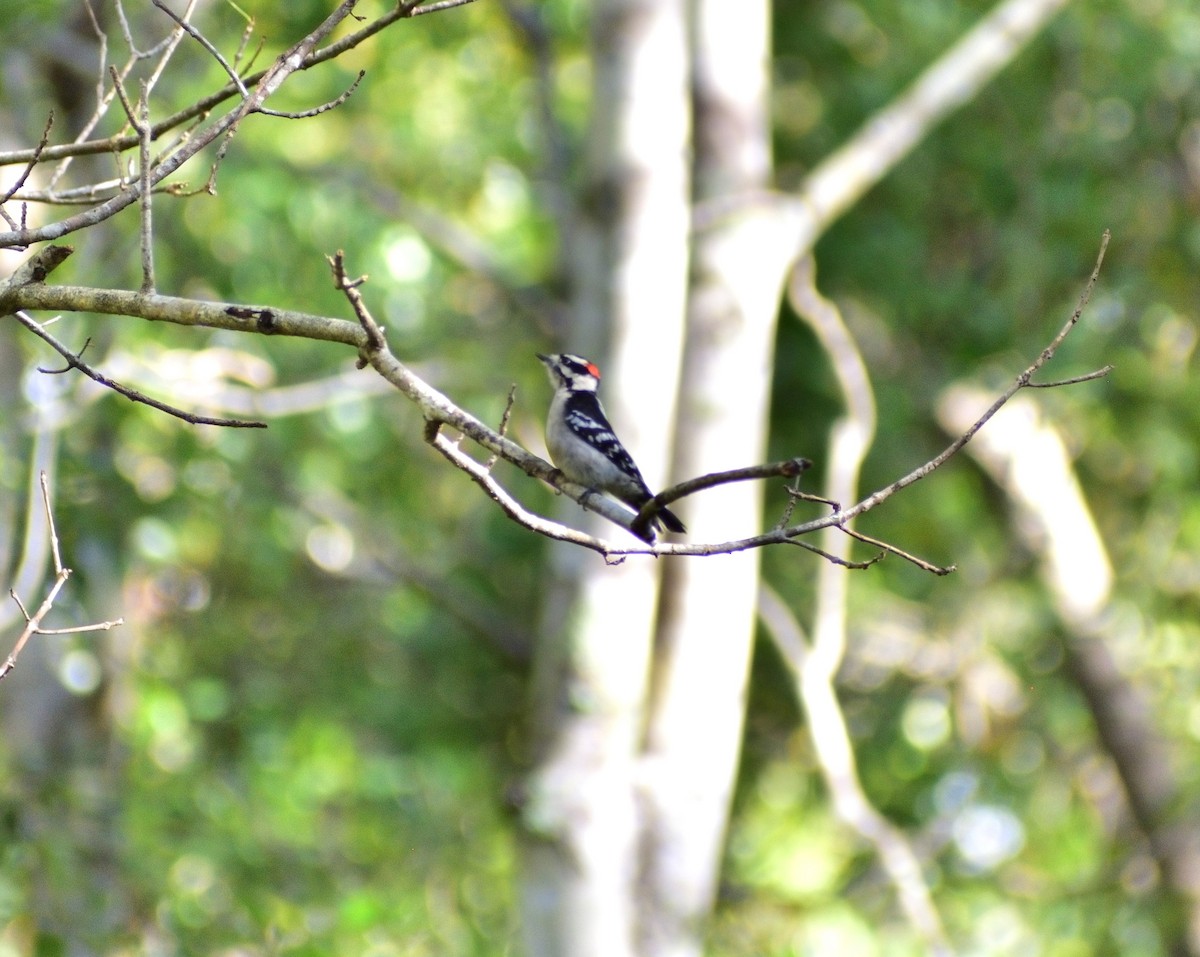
x,y
204,42
34,270
247,33
119,86
126,31
788,468
165,49
54,548
29,573
222,128
20,604
796,494
481,475
907,556
75,362
119,143
439,410
349,287
1021,382
415,10
103,98
33,623
836,559
141,124
33,161
503,430
1074,380
185,312
842,516
79,629
27,290
323,108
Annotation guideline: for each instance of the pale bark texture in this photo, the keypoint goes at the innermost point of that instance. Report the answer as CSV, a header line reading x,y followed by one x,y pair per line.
x,y
703,653
630,283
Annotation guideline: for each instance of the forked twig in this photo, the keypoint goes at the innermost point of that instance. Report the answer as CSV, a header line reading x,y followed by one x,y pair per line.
x,y
1021,382
207,44
349,287
907,556
1074,380
34,160
33,623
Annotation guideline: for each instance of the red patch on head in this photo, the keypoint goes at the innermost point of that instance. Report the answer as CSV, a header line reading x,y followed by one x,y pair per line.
x,y
593,369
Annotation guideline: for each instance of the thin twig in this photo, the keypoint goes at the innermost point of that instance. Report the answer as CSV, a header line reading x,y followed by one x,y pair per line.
x,y
837,559
120,142
20,604
147,227
167,46
204,42
221,129
79,629
1022,381
349,287
415,11
33,623
119,86
127,32
103,97
798,495
34,160
317,110
503,430
75,362
900,552
70,365
247,33
54,549
1074,380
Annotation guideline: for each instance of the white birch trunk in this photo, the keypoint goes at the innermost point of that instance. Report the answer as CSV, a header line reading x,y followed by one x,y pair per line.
x,y
630,273
704,644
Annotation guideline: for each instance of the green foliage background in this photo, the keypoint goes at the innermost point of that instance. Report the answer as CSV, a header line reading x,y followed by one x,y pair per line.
x,y
317,709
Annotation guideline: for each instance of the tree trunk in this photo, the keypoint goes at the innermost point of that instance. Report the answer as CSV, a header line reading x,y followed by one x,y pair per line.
x,y
703,650
630,283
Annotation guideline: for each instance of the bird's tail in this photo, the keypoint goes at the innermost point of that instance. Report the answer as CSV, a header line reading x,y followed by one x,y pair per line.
x,y
671,520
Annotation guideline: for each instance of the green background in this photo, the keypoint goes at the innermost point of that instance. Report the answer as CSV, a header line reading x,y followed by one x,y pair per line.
x,y
305,739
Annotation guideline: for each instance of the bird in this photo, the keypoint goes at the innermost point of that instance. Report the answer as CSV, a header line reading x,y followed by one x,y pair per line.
x,y
583,445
